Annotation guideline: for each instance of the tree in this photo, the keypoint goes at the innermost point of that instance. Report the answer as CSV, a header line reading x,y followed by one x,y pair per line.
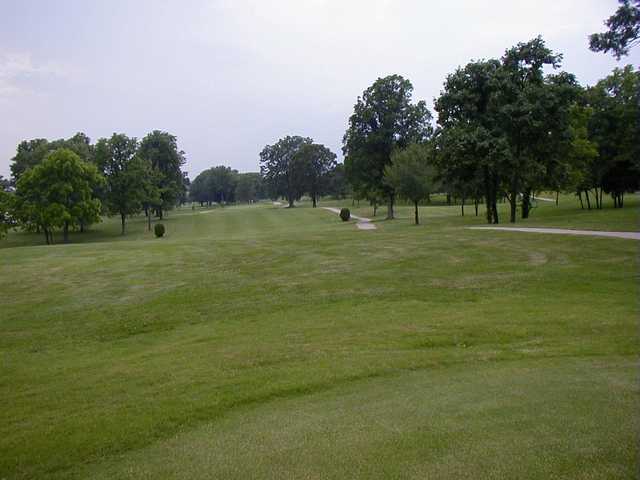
x,y
125,175
249,187
6,221
525,108
410,174
469,143
58,193
614,127
316,161
5,184
281,169
160,149
32,152
337,185
383,120
623,30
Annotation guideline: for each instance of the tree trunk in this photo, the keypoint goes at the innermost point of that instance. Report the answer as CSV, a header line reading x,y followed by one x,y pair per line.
x,y
375,207
557,197
290,199
513,205
313,199
462,205
122,218
416,212
46,236
448,199
526,203
597,198
621,200
81,227
65,232
390,215
149,223
580,197
475,202
586,194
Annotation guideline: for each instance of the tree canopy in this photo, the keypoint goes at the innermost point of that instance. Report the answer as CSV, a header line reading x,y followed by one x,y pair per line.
x,y
623,30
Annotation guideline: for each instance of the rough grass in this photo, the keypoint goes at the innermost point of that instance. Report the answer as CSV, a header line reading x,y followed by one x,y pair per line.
x,y
259,342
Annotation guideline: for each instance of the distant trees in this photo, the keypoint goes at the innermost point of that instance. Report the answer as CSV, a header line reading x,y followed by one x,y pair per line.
x,y
249,187
295,165
383,120
411,174
623,30
58,193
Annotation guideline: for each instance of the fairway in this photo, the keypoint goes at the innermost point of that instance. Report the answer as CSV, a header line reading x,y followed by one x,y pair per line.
x,y
263,342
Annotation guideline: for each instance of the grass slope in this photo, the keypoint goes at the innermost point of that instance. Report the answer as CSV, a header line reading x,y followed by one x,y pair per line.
x,y
258,342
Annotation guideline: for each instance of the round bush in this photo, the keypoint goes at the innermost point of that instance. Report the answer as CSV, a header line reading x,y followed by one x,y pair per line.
x,y
159,230
345,214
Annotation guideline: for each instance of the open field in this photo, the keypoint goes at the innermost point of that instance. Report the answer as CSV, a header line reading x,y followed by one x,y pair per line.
x,y
261,342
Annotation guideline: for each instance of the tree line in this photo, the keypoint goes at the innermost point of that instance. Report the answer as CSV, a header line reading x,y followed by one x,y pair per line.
x,y
505,129
68,184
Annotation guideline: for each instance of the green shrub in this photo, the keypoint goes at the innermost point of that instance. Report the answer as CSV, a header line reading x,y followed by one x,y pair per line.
x,y
159,230
345,214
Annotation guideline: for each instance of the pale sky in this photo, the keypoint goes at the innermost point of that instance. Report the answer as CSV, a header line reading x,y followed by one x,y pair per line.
x,y
230,76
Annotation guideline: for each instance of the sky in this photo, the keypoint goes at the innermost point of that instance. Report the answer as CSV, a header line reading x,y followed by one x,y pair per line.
x,y
228,77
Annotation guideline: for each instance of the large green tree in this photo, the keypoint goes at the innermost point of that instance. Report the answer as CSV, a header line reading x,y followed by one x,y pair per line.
x,y
470,146
411,174
58,193
126,175
281,168
160,149
623,30
383,120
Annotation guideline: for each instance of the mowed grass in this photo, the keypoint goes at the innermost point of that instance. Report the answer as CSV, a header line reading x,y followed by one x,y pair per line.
x,y
259,342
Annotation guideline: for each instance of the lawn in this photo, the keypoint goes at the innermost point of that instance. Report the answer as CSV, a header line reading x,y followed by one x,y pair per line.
x,y
261,342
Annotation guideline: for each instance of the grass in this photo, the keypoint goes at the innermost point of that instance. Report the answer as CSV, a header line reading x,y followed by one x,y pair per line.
x,y
259,342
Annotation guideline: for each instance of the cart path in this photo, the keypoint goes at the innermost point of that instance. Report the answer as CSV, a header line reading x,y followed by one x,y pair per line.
x,y
565,231
363,223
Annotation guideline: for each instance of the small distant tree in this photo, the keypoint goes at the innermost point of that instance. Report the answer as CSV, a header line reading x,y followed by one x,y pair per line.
x,y
58,193
316,161
623,30
411,175
281,169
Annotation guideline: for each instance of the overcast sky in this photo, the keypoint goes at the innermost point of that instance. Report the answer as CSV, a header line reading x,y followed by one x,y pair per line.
x,y
230,76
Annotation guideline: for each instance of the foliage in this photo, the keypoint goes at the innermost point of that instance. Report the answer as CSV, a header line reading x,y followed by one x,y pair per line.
x,y
384,120
345,214
126,175
32,152
615,128
159,230
623,30
411,174
316,163
160,149
58,193
282,169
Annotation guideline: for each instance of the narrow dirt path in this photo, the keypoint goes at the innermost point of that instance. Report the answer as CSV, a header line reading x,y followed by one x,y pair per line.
x,y
565,231
362,222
